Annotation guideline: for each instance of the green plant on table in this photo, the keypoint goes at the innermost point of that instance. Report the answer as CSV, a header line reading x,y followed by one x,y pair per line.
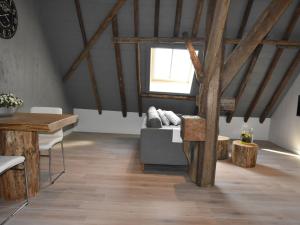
x,y
10,100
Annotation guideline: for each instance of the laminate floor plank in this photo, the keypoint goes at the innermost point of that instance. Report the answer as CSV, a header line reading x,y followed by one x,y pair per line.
x,y
105,185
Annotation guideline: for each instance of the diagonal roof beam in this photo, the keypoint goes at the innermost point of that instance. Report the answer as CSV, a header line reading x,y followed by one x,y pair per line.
x,y
178,18
197,18
83,54
242,52
136,15
194,57
272,65
115,30
281,87
88,58
156,18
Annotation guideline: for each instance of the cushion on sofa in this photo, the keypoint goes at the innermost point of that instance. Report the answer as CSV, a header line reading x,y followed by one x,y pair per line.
x,y
173,118
163,117
153,119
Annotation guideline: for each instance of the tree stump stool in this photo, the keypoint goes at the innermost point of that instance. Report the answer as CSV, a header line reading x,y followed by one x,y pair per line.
x,y
222,147
244,154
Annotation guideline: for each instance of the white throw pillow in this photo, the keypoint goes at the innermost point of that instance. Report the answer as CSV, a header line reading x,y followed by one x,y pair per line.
x,y
173,118
163,117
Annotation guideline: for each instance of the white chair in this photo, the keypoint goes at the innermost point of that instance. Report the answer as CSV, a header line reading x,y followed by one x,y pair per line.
x,y
10,162
48,141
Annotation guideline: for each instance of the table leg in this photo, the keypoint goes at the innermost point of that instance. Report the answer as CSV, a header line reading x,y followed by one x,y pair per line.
x,y
12,182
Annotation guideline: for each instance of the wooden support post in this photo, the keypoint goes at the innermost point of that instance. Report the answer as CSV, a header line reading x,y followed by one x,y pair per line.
x,y
212,69
281,87
89,58
20,143
156,18
248,44
178,18
273,64
83,54
138,58
197,17
119,67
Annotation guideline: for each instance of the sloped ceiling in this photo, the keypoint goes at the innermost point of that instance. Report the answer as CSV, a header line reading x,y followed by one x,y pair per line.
x,y
62,30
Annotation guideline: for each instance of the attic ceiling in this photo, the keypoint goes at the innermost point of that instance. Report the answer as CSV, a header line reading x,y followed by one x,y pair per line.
x,y
61,27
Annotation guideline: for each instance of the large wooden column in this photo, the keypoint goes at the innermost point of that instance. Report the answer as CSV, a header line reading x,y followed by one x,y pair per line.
x,y
210,101
15,143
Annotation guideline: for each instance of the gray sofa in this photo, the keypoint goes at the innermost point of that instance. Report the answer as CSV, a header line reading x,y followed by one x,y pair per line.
x,y
157,148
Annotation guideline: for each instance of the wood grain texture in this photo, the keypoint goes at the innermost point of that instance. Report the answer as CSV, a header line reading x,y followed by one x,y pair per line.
x,y
289,74
138,57
15,143
119,65
90,64
276,57
244,155
257,33
211,96
197,18
201,41
193,128
105,185
37,122
194,57
223,147
103,25
178,18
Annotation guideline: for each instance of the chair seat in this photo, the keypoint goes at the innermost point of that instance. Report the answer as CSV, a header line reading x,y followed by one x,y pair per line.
x,y
7,162
47,142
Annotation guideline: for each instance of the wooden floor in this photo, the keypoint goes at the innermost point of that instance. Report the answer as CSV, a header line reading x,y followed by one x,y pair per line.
x,y
105,185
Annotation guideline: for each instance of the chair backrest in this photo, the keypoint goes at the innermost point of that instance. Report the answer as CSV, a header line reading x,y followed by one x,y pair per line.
x,y
49,110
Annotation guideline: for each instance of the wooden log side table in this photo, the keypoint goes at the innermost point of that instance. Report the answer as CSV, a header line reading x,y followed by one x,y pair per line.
x,y
244,154
222,147
19,136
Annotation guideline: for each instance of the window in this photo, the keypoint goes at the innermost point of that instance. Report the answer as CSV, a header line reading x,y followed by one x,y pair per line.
x,y
171,70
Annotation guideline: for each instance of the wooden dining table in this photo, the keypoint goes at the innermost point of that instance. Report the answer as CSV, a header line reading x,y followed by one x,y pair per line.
x,y
19,136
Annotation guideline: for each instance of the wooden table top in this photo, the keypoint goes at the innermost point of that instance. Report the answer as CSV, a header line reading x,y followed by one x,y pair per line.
x,y
39,122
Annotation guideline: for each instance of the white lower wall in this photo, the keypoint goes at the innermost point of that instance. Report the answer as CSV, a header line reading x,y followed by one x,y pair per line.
x,y
108,122
285,125
113,122
233,129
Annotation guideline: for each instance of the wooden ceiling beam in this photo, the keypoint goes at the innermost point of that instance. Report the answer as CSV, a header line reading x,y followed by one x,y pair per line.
x,y
197,18
242,52
267,77
201,41
90,43
117,48
246,78
290,73
226,104
88,58
138,57
178,18
156,18
252,63
194,58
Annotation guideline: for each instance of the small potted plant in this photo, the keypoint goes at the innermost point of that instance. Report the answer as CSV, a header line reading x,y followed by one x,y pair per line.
x,y
246,134
9,104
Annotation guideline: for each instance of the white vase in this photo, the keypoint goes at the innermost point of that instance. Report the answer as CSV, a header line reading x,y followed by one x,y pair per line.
x,y
10,111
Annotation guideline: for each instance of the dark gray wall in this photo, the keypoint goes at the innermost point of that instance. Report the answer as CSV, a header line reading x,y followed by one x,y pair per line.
x,y
62,30
26,66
